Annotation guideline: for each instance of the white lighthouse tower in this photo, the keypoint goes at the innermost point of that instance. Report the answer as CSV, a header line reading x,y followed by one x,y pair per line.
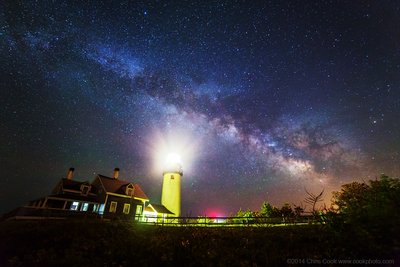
x,y
171,188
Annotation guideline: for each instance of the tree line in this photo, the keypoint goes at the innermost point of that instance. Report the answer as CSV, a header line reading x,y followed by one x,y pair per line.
x,y
376,202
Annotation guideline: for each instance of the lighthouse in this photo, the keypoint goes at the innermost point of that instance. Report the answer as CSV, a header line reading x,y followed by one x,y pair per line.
x,y
171,187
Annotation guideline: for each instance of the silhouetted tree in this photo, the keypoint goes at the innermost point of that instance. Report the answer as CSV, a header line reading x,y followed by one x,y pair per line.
x,y
248,213
313,200
267,210
240,213
371,210
298,210
287,212
245,216
352,199
374,202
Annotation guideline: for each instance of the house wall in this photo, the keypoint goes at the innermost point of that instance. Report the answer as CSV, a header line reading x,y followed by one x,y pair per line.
x,y
120,207
55,204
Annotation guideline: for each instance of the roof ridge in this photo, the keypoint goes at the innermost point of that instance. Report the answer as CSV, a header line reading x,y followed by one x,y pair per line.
x,y
110,178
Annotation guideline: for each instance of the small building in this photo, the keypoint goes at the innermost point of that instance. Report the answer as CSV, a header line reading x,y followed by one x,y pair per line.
x,y
156,213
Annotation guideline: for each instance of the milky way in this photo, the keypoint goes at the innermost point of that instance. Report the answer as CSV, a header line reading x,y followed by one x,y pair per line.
x,y
262,99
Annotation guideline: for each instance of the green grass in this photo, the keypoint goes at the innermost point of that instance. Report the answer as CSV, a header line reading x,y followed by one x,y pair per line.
x,y
96,243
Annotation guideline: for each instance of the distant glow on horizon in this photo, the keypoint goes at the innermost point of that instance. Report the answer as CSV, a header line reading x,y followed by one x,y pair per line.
x,y
214,212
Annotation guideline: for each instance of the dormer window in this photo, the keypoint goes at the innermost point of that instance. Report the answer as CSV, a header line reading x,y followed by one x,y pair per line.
x,y
85,189
130,189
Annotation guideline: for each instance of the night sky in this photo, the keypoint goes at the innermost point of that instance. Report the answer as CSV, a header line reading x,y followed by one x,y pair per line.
x,y
261,99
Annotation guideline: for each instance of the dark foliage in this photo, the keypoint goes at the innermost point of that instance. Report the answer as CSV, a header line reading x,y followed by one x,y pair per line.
x,y
370,210
96,243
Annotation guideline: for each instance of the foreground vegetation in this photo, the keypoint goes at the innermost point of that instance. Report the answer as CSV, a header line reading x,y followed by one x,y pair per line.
x,y
96,243
375,203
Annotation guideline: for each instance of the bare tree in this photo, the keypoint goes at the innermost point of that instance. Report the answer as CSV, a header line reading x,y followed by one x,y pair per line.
x,y
313,200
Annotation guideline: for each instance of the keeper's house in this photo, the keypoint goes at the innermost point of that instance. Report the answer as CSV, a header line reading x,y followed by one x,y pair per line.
x,y
105,197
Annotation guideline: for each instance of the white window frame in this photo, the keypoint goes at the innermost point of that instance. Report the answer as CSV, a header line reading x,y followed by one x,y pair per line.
x,y
85,206
139,209
130,189
127,208
113,207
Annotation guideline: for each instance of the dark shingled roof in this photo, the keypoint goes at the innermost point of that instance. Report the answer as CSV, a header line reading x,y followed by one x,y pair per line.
x,y
72,184
117,186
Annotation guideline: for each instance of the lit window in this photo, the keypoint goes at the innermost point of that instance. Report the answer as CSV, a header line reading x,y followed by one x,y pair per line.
x,y
139,209
113,206
95,206
85,206
129,191
127,207
101,209
74,205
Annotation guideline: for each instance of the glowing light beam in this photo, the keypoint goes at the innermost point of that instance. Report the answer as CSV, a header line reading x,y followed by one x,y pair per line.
x,y
173,147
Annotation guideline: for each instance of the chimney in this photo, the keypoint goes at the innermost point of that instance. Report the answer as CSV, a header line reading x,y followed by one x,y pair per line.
x,y
70,173
116,173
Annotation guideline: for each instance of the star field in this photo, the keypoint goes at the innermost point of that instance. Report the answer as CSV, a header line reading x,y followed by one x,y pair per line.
x,y
261,98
